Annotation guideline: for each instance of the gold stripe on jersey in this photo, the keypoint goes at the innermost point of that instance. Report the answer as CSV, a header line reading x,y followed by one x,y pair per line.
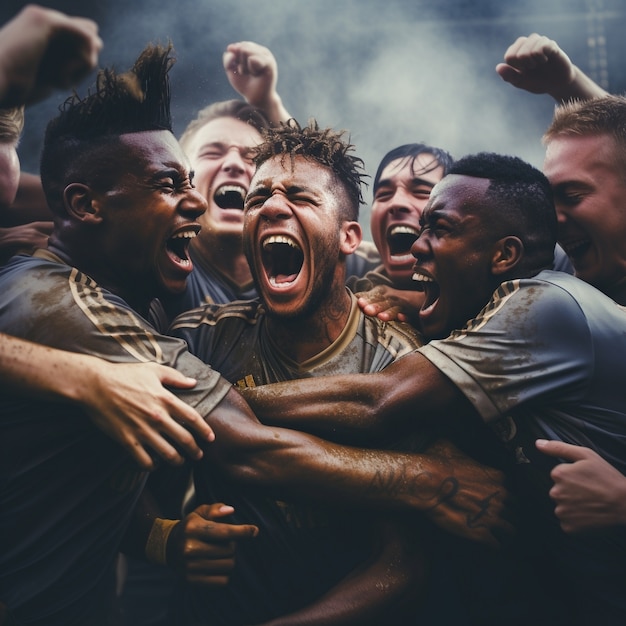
x,y
498,300
114,321
211,314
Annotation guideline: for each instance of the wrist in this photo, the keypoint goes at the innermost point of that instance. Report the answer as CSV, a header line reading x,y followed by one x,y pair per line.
x,y
156,545
273,109
581,87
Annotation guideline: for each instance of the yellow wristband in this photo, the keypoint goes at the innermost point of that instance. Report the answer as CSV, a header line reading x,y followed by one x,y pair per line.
x,y
156,546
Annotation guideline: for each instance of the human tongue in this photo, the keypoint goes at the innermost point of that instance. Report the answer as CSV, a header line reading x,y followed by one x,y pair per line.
x,y
281,279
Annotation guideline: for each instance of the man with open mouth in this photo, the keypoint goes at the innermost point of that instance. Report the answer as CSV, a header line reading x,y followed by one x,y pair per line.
x,y
218,142
401,188
584,161
531,352
301,223
126,209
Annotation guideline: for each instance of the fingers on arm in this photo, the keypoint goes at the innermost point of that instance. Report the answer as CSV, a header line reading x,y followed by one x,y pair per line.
x,y
562,450
182,412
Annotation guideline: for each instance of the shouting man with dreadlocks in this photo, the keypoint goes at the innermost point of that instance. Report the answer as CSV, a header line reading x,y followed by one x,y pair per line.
x,y
125,210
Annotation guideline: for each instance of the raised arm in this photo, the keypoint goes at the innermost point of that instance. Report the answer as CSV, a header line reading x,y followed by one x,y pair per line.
x,y
126,401
537,64
42,49
252,71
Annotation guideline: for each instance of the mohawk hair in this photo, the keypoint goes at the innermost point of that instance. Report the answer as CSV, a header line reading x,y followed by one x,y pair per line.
x,y
325,146
135,101
138,100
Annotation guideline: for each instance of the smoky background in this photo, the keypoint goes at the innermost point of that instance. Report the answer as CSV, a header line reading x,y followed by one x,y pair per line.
x,y
387,71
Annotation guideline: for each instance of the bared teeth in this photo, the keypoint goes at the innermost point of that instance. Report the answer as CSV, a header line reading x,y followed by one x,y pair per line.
x,y
230,197
188,234
178,244
421,278
404,230
280,239
400,238
282,259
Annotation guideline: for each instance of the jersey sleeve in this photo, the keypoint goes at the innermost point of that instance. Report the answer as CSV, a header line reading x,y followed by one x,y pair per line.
x,y
63,308
531,340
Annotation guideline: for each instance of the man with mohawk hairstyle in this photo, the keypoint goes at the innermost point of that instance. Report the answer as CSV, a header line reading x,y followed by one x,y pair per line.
x,y
125,209
68,490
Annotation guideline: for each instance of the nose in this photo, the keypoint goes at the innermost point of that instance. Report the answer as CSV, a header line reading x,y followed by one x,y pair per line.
x,y
561,215
193,204
275,207
234,163
402,202
419,249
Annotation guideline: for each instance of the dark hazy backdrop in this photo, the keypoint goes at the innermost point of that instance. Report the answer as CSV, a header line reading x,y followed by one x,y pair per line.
x,y
389,71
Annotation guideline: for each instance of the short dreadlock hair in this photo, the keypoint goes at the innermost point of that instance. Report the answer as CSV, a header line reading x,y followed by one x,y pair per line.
x,y
132,102
325,146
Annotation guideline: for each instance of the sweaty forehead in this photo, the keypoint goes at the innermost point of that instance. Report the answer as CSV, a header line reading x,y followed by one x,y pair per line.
x,y
299,171
571,157
225,131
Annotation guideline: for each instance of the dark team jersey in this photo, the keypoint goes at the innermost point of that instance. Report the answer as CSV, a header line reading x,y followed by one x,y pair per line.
x,y
67,490
302,550
545,359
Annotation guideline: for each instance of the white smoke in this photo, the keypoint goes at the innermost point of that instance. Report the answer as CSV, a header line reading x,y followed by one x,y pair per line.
x,y
388,71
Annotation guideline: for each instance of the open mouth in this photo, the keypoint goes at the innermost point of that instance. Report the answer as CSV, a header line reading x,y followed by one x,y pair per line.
x,y
230,197
577,248
400,239
282,259
178,246
430,288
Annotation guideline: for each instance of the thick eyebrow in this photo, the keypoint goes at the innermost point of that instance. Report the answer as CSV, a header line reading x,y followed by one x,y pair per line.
x,y
570,184
213,144
265,188
173,170
437,213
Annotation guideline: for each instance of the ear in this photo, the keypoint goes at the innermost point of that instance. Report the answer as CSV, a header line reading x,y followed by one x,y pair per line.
x,y
507,253
80,203
351,236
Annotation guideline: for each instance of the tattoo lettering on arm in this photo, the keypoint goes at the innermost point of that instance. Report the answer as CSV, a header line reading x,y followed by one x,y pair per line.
x,y
454,491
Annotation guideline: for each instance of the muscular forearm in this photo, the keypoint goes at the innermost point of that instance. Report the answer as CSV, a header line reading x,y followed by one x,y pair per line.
x,y
454,491
407,394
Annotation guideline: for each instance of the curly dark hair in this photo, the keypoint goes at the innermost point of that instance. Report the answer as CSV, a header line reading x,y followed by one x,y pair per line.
x,y
325,146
